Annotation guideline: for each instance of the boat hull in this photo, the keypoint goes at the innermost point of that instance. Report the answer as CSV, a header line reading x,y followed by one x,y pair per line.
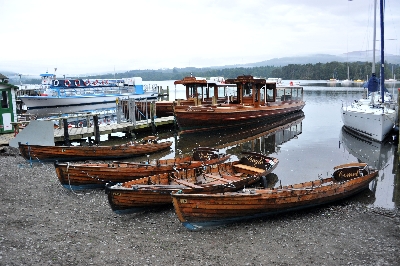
x,y
42,105
79,153
191,119
89,176
155,191
196,211
373,123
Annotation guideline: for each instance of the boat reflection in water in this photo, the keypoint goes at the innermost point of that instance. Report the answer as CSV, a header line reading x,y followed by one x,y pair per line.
x,y
376,154
263,138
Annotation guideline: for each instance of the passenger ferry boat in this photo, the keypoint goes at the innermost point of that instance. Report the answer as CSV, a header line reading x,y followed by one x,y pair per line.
x,y
66,95
253,101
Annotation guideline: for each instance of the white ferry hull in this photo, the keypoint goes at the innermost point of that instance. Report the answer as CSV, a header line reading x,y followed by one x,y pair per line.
x,y
43,105
77,95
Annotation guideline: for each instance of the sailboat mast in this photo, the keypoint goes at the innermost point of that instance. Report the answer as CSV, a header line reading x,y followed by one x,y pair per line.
x,y
382,51
373,82
374,38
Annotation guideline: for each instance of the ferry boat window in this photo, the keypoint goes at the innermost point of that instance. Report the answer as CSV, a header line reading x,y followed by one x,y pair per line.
x,y
4,99
262,96
247,89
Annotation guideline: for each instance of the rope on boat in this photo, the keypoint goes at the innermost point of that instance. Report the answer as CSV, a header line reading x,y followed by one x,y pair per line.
x,y
69,182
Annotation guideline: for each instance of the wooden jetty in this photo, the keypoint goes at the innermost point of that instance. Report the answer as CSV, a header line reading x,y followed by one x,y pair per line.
x,y
126,127
77,133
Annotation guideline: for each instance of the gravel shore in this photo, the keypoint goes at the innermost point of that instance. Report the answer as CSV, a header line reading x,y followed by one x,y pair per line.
x,y
44,224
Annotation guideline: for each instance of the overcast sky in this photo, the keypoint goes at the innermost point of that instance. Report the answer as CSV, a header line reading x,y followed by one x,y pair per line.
x,y
91,36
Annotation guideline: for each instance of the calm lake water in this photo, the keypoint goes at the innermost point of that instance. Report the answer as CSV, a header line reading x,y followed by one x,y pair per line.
x,y
307,147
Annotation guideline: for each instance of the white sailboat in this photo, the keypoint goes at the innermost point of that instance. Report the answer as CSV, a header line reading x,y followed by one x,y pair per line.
x,y
375,116
347,81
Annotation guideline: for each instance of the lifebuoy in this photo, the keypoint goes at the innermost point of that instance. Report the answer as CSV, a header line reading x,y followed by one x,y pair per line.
x,y
106,82
87,82
67,83
56,82
95,82
77,83
291,83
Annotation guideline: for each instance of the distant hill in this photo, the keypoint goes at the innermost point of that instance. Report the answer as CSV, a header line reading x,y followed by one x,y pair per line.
x,y
357,56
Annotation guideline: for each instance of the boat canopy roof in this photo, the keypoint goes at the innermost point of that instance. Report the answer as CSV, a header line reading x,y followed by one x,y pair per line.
x,y
202,82
46,75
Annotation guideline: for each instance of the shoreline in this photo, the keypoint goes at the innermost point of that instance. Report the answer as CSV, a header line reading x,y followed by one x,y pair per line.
x,y
43,223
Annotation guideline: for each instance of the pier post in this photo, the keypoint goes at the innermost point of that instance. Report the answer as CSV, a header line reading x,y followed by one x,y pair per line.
x,y
152,115
96,129
118,111
147,111
66,133
133,111
87,121
168,93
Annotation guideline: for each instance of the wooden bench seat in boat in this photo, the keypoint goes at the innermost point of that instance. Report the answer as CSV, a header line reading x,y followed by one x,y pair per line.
x,y
185,183
249,168
158,186
224,178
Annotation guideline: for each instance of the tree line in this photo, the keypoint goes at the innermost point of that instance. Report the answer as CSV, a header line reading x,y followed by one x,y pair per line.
x,y
319,71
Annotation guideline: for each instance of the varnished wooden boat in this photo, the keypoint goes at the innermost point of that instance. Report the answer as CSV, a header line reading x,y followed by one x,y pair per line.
x,y
155,191
96,175
201,210
256,101
79,153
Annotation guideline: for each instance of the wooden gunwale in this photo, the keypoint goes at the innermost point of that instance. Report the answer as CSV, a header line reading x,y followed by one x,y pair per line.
x,y
80,176
70,153
130,196
200,209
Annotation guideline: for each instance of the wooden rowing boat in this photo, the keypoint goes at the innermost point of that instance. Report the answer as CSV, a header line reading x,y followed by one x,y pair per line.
x,y
155,191
94,152
201,210
96,175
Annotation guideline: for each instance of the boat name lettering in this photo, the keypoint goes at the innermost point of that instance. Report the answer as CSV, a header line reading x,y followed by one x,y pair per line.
x,y
256,160
116,194
183,200
348,175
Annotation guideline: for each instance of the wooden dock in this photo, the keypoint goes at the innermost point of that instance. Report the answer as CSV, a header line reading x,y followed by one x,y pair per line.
x,y
77,133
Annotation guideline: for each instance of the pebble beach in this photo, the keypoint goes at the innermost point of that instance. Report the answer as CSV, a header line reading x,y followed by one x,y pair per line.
x,y
43,223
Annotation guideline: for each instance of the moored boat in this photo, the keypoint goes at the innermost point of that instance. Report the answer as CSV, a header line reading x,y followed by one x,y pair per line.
x,y
96,175
196,210
155,191
373,116
254,101
65,95
95,152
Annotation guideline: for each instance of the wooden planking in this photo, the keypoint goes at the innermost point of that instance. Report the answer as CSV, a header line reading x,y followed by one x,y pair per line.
x,y
249,168
83,132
